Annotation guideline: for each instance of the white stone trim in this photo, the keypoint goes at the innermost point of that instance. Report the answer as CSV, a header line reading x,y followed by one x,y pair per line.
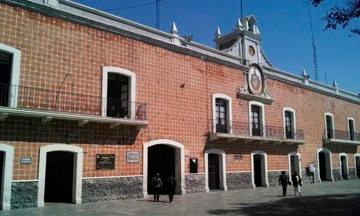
x,y
332,125
347,164
293,121
179,170
356,155
294,153
7,175
228,111
15,72
264,174
222,167
132,91
326,151
352,119
78,166
109,177
262,116
25,180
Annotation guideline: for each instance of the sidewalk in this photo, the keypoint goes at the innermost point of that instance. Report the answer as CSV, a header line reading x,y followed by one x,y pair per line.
x,y
327,198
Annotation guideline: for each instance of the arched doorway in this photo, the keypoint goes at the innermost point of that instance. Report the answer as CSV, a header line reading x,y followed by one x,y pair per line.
x,y
161,159
60,174
357,164
343,166
163,156
215,170
294,163
6,172
325,164
259,169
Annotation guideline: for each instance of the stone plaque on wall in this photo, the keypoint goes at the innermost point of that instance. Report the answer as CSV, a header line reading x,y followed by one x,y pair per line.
x,y
25,160
105,161
132,156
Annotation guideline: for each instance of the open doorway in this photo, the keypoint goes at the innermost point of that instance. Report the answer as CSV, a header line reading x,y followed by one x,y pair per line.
x,y
324,161
5,74
343,166
161,159
59,177
214,172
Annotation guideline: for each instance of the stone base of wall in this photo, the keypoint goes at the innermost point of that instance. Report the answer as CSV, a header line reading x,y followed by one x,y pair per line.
x,y
24,195
195,183
273,178
107,189
336,174
352,174
308,178
237,181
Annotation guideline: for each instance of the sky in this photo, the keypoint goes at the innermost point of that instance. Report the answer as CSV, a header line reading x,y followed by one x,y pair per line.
x,y
284,27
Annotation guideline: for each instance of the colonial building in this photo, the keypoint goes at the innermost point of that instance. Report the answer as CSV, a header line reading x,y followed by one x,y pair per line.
x,y
93,105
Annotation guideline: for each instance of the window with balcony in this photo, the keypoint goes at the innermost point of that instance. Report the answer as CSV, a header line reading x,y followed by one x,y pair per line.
x,y
9,75
351,129
118,93
329,126
289,123
257,118
222,113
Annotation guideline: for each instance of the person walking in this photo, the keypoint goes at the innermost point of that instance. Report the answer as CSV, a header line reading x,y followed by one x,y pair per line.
x,y
297,183
171,185
157,186
284,181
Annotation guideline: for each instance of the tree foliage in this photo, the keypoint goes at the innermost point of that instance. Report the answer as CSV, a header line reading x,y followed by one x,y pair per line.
x,y
341,15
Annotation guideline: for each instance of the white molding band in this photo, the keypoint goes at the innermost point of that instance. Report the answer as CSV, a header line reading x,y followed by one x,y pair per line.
x,y
264,173
15,72
222,167
179,168
289,109
78,166
109,177
332,125
7,175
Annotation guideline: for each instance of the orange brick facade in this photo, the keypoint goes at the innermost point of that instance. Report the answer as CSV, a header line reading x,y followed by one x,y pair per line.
x,y
177,89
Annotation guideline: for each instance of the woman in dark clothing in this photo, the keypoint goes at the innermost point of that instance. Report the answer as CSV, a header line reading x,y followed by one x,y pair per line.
x,y
171,185
297,183
284,181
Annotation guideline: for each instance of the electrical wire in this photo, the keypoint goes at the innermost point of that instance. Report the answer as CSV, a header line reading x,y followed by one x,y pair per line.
x,y
131,7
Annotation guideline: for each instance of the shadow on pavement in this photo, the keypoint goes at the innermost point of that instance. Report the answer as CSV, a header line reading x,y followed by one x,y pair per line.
x,y
344,204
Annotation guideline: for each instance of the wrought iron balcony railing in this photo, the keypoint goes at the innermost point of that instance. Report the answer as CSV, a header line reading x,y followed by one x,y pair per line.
x,y
69,102
251,129
342,135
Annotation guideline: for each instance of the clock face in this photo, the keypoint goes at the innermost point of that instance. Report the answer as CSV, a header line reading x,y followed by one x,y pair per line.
x,y
255,80
251,50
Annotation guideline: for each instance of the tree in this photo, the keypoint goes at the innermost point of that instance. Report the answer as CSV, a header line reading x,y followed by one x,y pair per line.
x,y
341,15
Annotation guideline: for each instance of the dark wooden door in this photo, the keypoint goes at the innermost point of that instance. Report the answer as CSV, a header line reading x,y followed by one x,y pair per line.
x,y
118,93
257,170
322,166
358,166
59,177
5,74
214,175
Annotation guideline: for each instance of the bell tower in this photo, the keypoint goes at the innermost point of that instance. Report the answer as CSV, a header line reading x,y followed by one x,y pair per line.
x,y
243,41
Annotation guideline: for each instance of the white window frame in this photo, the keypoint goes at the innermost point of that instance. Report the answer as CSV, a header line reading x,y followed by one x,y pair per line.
x,y
351,119
332,125
264,177
222,167
7,175
228,107
356,155
293,126
330,174
262,117
347,164
297,154
15,73
132,90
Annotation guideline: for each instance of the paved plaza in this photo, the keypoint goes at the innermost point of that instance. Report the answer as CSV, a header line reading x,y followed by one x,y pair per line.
x,y
327,198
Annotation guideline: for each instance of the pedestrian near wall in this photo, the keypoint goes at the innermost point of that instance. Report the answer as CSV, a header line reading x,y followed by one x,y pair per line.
x,y
171,185
157,186
284,181
297,183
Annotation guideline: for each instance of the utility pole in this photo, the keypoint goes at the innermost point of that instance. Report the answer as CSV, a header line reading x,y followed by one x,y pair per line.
x,y
314,47
158,14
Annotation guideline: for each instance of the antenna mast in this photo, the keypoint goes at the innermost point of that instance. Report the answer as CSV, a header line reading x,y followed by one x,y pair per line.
x,y
314,47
